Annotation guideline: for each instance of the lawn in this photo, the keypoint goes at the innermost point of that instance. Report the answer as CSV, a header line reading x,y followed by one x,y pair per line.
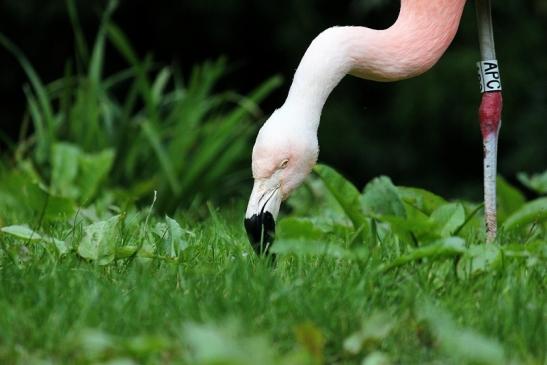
x,y
137,287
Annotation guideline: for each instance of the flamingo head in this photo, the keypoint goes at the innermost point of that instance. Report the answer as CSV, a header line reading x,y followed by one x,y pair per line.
x,y
284,153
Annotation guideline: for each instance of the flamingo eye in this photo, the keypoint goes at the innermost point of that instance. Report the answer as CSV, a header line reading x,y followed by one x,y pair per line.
x,y
284,163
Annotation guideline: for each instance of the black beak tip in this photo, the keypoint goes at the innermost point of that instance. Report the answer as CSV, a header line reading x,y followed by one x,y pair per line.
x,y
261,232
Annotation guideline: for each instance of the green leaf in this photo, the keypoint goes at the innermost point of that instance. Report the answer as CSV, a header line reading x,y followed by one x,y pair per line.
x,y
462,344
438,250
537,182
311,248
227,345
25,233
94,168
123,252
509,199
479,258
99,241
345,194
64,165
473,222
177,243
372,332
57,208
22,231
21,196
377,358
60,245
94,344
416,223
78,175
531,212
447,218
295,227
421,199
172,237
380,197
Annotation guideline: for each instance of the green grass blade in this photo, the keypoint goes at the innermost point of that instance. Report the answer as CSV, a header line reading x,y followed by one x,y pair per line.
x,y
97,56
163,158
160,83
42,146
250,103
80,42
39,89
122,44
118,78
531,212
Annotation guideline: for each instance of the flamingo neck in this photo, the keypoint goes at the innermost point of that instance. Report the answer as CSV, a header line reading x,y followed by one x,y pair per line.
x,y
411,46
326,61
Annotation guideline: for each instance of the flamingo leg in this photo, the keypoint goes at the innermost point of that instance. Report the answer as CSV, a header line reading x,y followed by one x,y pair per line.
x,y
489,112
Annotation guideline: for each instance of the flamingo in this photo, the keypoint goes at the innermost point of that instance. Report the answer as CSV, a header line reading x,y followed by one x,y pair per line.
x,y
286,148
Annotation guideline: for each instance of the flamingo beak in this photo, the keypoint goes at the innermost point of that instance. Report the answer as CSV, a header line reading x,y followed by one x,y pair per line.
x,y
261,214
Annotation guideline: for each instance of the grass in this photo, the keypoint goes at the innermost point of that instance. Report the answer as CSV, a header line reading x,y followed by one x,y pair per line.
x,y
47,304
191,291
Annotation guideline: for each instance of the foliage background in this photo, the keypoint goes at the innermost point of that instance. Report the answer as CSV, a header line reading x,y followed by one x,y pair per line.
x,y
422,132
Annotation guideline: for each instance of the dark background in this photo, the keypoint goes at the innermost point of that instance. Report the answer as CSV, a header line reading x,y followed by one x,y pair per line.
x,y
421,132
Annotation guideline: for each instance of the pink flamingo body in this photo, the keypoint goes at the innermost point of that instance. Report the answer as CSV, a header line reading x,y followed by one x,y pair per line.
x,y
286,148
